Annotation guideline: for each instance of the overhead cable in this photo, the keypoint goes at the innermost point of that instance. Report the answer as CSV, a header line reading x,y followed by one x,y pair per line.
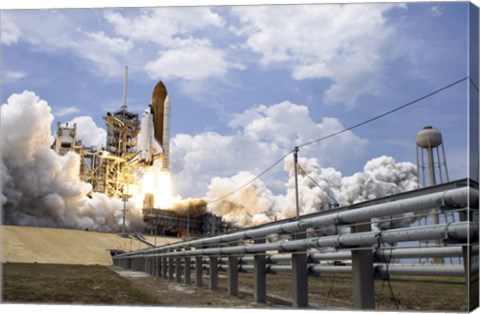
x,y
385,113
250,181
316,183
343,131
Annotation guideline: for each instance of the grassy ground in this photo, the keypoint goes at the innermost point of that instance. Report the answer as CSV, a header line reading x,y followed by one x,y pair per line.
x,y
335,292
68,284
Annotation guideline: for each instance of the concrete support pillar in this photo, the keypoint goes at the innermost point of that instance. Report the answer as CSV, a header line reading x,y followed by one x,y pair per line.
x,y
159,267
148,265
300,276
164,267
178,269
260,275
171,260
198,272
471,276
187,275
213,273
154,266
362,274
151,268
143,265
233,276
140,263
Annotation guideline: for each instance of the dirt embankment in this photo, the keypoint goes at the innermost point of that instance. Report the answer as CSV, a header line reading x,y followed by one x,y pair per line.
x,y
66,246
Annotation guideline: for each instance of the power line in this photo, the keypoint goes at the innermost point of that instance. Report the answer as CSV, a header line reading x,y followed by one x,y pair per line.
x,y
343,131
247,183
385,113
316,183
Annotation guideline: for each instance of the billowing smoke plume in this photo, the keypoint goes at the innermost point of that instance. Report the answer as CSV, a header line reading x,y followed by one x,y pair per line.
x,y
319,189
41,188
190,207
250,206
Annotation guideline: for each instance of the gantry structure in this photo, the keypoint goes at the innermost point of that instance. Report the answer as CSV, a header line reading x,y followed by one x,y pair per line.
x,y
106,169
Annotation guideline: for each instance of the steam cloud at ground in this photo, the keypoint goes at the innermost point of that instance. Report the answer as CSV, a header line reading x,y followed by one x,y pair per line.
x,y
320,189
41,188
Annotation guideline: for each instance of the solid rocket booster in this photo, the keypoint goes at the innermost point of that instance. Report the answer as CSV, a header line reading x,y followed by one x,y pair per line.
x,y
161,116
153,140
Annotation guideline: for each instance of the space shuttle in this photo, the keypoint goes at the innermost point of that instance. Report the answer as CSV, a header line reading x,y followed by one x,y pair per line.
x,y
153,140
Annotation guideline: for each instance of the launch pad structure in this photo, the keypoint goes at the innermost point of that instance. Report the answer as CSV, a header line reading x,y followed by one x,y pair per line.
x,y
107,170
110,171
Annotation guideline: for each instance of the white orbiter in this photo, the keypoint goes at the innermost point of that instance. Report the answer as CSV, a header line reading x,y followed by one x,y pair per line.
x,y
153,141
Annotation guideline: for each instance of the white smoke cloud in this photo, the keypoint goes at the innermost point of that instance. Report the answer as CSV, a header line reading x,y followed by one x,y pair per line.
x,y
249,206
319,189
41,188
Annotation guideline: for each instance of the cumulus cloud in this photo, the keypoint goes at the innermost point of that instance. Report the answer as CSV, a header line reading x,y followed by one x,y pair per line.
x,y
41,188
163,25
58,31
189,59
259,137
347,44
181,52
89,132
9,31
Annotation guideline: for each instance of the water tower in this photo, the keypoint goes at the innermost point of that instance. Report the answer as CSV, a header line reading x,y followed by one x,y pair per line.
x,y
429,143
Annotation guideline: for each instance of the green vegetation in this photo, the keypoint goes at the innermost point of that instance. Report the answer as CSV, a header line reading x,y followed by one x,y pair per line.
x,y
68,284
335,292
76,284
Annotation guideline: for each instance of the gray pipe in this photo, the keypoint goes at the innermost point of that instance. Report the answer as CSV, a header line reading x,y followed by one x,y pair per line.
x,y
380,269
407,270
454,198
381,254
453,231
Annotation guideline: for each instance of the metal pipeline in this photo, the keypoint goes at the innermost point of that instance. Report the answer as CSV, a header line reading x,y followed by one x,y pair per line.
x,y
457,198
452,231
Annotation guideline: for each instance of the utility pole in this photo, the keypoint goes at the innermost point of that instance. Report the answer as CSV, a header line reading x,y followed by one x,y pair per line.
x,y
299,258
188,222
295,159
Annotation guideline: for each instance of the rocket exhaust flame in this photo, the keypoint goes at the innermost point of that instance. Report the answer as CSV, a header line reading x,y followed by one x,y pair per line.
x,y
155,183
165,199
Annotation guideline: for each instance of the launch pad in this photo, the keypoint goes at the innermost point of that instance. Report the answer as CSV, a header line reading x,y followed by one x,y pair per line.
x,y
132,146
162,222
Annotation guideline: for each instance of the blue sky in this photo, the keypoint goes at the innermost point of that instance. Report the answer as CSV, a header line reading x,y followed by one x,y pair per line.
x,y
248,83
